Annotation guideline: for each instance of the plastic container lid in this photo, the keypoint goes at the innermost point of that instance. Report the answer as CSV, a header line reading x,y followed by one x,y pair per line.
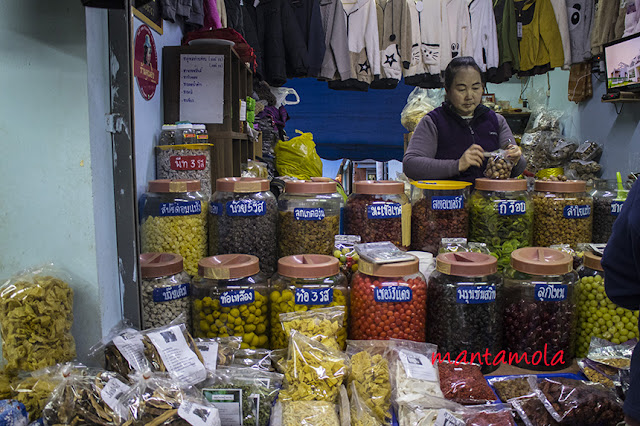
x,y
390,270
466,264
502,185
307,187
199,127
541,261
176,185
228,266
184,126
244,184
593,261
154,265
441,185
308,266
568,186
375,187
169,127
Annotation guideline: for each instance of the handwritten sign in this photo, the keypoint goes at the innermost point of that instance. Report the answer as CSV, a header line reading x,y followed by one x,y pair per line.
x,y
202,88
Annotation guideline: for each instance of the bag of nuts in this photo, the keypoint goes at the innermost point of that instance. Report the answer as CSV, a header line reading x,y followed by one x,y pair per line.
x,y
498,165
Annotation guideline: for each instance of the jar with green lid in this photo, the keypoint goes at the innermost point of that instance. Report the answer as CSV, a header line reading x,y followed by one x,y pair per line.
x,y
309,215
501,216
174,220
305,282
607,205
379,211
562,213
598,316
439,209
539,309
243,219
230,297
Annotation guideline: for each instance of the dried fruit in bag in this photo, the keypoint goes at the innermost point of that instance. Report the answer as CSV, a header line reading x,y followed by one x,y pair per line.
x,y
370,376
324,325
309,413
464,383
498,165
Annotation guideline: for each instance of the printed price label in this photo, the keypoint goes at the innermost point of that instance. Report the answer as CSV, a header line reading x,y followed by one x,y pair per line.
x,y
309,214
246,208
209,352
395,293
316,296
180,208
215,209
112,392
229,404
576,212
198,414
188,162
616,207
181,362
445,418
167,294
447,202
129,343
551,292
384,211
417,366
237,297
476,294
511,207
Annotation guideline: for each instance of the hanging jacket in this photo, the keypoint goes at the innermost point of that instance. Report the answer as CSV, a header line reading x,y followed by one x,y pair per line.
x,y
336,62
484,35
560,12
307,13
393,31
508,47
541,44
580,15
632,18
456,32
235,19
423,67
604,25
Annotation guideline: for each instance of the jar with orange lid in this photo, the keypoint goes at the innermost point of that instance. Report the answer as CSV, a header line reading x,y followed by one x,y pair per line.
x,y
539,308
388,301
464,306
242,219
230,297
174,220
562,213
305,282
379,211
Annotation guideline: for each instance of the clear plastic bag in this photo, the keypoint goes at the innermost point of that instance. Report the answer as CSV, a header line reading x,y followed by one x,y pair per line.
x,y
382,252
361,414
419,103
36,315
594,374
413,375
498,165
309,413
559,149
122,349
324,325
582,170
533,412
419,413
588,151
254,358
488,415
511,387
218,351
544,119
464,383
607,353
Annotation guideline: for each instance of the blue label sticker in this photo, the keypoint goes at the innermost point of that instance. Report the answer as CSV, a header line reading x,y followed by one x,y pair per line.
x,y
384,211
511,207
476,294
180,208
616,207
237,297
447,202
246,208
309,214
577,212
317,296
551,292
215,209
167,294
394,293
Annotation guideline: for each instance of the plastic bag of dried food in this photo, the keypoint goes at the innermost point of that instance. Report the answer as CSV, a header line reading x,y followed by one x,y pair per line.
x,y
122,349
559,149
591,370
543,119
313,371
611,354
324,325
297,157
36,314
588,151
464,383
488,415
360,413
498,165
218,351
582,170
510,387
533,412
6,378
420,102
309,413
245,395
423,413
254,358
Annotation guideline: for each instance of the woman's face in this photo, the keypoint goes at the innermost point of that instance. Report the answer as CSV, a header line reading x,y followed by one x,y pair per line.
x,y
465,93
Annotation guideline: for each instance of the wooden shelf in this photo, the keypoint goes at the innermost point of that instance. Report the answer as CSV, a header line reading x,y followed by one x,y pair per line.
x,y
620,101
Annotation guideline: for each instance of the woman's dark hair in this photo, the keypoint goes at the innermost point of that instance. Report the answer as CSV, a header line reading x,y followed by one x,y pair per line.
x,y
455,65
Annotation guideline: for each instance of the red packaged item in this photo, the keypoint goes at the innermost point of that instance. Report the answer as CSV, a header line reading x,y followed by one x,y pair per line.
x,y
494,415
464,383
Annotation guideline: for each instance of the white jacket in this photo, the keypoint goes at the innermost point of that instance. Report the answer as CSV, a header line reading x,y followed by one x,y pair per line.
x,y
456,31
426,31
560,10
484,34
632,18
361,18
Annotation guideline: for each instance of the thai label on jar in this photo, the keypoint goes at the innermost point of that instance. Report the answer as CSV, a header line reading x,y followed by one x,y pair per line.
x,y
417,366
577,212
188,162
180,208
215,209
315,296
511,207
551,292
167,294
384,211
246,208
393,293
476,294
197,414
309,214
447,202
237,297
445,418
229,404
616,207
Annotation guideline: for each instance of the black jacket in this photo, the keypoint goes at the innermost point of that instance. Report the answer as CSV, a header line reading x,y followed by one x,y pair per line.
x,y
307,13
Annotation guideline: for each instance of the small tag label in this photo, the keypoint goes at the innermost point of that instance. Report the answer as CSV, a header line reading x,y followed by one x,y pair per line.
x,y
229,404
180,208
417,366
616,207
309,214
447,203
393,293
317,296
246,208
215,209
476,294
112,392
237,297
188,162
445,418
129,343
181,362
209,352
197,414
384,211
511,207
243,111
167,294
551,292
519,30
577,212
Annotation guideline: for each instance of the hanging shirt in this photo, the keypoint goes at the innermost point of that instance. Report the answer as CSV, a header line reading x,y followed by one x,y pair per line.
x,y
484,34
580,17
541,44
426,50
394,26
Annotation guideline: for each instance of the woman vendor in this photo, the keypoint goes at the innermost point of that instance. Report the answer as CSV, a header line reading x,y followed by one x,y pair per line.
x,y
450,141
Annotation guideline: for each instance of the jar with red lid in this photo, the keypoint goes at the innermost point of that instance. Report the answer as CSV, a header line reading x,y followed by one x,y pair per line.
x,y
379,211
388,301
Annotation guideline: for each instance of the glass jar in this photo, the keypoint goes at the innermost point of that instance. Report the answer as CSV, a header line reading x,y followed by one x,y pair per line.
x,y
202,135
230,297
438,210
539,309
191,162
464,306
606,208
501,216
562,213
164,289
308,218
305,282
243,220
388,301
168,135
174,220
598,316
379,211
185,134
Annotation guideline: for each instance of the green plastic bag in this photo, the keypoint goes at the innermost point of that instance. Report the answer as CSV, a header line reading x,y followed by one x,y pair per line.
x,y
297,157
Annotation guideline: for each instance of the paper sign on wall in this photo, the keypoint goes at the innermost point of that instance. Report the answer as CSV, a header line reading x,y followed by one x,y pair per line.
x,y
202,88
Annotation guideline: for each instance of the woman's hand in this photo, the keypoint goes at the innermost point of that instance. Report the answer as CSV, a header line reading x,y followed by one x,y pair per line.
x,y
473,156
514,153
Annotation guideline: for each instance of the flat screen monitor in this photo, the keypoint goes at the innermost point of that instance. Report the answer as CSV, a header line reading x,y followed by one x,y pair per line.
x,y
622,64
